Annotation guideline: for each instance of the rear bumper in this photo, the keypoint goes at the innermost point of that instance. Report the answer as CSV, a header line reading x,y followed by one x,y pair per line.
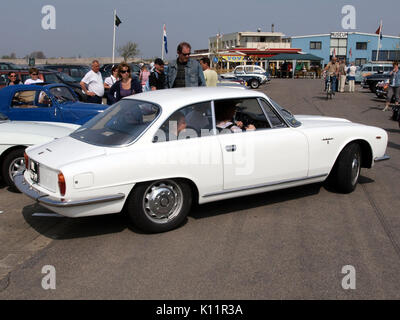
x,y
24,187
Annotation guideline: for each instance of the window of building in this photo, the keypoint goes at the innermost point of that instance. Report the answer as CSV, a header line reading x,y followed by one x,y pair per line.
x,y
316,45
339,46
386,55
360,61
361,45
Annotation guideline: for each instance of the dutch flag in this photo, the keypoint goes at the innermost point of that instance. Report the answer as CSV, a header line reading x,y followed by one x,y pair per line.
x,y
165,39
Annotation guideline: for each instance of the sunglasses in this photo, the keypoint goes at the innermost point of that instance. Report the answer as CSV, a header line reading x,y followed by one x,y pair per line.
x,y
13,76
35,74
124,71
186,54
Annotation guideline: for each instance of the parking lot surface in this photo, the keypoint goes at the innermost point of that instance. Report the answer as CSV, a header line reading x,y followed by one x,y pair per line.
x,y
288,244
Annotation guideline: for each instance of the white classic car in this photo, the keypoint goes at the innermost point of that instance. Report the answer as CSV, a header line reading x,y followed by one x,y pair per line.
x,y
154,153
15,136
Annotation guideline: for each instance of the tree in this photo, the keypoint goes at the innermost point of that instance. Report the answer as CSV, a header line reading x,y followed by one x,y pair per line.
x,y
11,56
129,50
36,55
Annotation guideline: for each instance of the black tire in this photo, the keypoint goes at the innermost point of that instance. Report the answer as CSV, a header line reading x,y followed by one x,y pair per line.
x,y
254,84
159,206
346,171
14,161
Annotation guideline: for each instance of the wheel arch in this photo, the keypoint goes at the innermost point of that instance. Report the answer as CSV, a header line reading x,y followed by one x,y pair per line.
x,y
6,152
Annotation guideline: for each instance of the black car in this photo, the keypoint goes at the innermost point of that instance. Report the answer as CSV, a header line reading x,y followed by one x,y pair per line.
x,y
77,72
372,80
105,69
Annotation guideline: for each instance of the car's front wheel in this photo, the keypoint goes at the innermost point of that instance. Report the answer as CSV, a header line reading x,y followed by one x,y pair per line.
x,y
347,168
13,162
159,206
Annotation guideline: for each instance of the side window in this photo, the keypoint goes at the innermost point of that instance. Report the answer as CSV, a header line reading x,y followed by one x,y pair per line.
x,y
3,79
239,70
238,115
189,122
273,117
24,99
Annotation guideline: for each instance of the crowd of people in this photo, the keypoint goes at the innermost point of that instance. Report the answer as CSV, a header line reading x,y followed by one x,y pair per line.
x,y
182,72
340,73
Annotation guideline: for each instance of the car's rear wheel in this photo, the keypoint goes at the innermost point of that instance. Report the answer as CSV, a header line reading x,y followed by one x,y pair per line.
x,y
13,162
347,168
159,206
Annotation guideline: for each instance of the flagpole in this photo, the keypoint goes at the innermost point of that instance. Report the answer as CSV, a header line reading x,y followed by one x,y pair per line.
x,y
379,41
162,44
113,51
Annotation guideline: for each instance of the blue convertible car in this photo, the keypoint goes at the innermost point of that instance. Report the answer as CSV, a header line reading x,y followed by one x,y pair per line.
x,y
53,102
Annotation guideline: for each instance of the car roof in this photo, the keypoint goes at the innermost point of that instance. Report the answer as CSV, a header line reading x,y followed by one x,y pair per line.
x,y
176,98
32,87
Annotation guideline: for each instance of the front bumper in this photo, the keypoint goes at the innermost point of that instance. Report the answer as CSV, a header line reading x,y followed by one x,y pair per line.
x,y
24,187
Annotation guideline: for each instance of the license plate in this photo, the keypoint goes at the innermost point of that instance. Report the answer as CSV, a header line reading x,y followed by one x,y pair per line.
x,y
34,170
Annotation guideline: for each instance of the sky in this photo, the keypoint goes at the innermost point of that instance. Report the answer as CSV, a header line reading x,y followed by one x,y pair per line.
x,y
85,27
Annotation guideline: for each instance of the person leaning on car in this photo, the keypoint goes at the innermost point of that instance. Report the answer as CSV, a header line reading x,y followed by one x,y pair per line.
x,y
394,83
94,82
185,72
125,86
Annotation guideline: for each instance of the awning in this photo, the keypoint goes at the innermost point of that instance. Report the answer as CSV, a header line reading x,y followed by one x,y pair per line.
x,y
295,56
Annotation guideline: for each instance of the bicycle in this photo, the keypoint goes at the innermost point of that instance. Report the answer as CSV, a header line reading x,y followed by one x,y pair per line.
x,y
328,86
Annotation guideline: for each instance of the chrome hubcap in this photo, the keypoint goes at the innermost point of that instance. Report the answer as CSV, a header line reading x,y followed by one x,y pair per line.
x,y
355,169
18,165
162,201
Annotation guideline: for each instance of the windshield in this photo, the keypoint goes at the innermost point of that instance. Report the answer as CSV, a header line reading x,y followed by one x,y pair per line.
x,y
65,77
289,117
62,94
119,125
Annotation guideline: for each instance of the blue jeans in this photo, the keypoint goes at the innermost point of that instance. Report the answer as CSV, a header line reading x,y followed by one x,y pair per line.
x,y
333,83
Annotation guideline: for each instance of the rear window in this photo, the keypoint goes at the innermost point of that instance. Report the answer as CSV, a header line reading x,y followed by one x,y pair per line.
x,y
120,124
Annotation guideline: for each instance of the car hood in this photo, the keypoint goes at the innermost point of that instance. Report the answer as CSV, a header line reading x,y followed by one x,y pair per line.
x,y
308,121
37,128
63,151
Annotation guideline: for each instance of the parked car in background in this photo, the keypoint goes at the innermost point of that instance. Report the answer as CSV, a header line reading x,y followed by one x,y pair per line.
x,y
53,102
155,153
233,82
105,69
374,67
15,136
77,72
372,80
47,77
253,75
9,66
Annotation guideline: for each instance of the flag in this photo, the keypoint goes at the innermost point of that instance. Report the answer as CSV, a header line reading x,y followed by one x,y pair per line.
x,y
334,53
165,39
117,21
350,54
379,31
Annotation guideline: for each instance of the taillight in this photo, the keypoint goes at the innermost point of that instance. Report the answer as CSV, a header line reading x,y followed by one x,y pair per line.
x,y
26,161
61,183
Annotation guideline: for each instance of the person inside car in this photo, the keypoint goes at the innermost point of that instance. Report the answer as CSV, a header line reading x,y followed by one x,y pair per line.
x,y
224,114
34,77
12,79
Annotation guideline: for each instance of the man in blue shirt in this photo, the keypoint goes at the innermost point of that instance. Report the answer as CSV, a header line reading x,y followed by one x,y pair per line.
x,y
394,85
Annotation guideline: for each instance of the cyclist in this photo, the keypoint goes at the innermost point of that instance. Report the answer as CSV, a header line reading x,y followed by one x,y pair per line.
x,y
332,69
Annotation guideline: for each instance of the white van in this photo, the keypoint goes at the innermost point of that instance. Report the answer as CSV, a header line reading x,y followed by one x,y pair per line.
x,y
373,67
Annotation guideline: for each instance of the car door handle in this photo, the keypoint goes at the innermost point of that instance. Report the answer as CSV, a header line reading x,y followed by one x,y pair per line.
x,y
230,148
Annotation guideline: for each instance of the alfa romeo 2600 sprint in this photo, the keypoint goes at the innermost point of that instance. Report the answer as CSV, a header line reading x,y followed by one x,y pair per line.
x,y
153,154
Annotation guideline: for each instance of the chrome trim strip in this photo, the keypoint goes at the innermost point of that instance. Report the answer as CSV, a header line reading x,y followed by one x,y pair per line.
x,y
385,157
24,187
259,186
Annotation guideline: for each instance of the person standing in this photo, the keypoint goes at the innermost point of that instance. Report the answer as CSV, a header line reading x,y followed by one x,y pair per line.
x,y
157,76
125,86
109,81
185,72
342,75
94,82
12,79
144,77
210,75
351,72
394,86
34,77
332,68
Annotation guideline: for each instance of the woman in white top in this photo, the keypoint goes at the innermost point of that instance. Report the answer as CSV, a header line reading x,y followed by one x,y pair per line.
x,y
34,77
109,81
351,76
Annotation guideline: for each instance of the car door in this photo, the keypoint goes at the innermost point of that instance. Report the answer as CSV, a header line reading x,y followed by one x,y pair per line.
x,y
273,153
33,105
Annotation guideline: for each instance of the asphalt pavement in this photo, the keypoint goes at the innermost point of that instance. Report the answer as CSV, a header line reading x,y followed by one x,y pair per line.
x,y
298,243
